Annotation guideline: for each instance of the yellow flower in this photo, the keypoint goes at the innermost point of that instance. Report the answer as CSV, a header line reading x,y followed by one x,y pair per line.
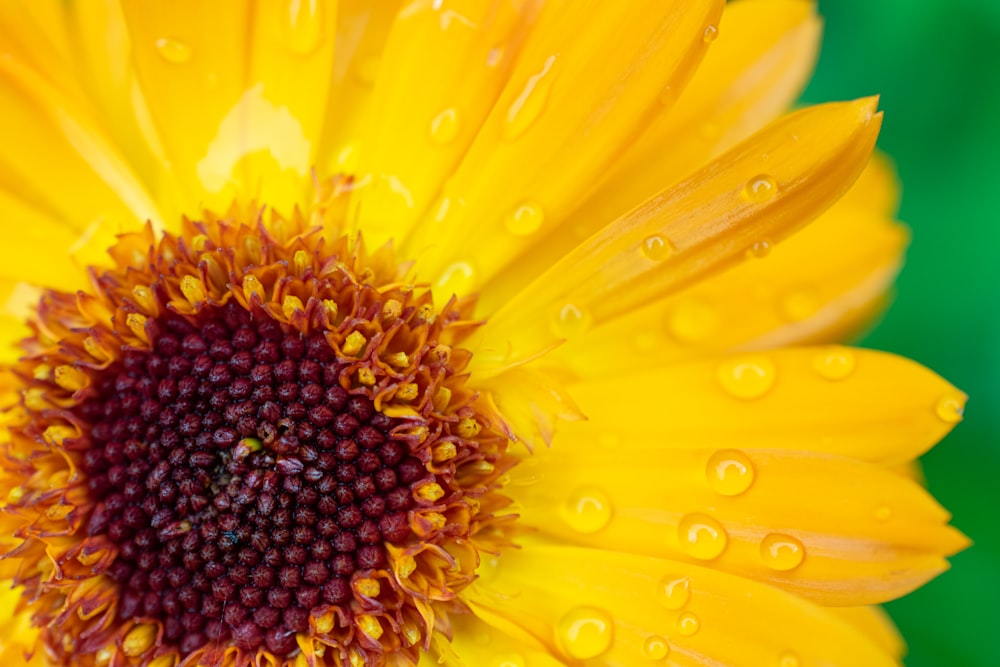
x,y
448,332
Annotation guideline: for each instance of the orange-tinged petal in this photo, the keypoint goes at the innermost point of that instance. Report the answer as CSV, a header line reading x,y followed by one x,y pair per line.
x,y
863,404
752,73
587,81
793,293
419,126
835,530
766,188
623,609
876,624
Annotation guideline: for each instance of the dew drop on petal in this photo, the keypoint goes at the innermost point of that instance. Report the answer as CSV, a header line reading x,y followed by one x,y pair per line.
x,y
674,591
729,472
525,219
494,56
701,536
788,659
529,104
303,27
668,96
444,126
883,513
760,188
760,249
571,320
509,660
692,321
781,552
688,624
656,648
799,304
456,279
711,34
173,51
950,409
656,248
747,377
587,510
585,632
834,364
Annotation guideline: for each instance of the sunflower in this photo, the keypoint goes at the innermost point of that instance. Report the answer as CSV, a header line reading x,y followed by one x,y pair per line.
x,y
384,333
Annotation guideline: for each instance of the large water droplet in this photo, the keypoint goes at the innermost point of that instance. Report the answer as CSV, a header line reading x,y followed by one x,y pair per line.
x,y
525,219
444,126
729,472
711,34
760,249
688,624
173,51
585,632
781,552
701,536
571,320
674,591
528,106
456,279
656,248
835,364
656,648
303,27
692,321
760,188
747,377
950,409
588,510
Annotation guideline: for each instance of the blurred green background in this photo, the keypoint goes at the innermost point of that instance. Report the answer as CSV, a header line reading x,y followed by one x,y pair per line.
x,y
936,64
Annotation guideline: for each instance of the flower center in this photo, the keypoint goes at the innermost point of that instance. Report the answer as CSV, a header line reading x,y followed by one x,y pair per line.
x,y
239,480
248,437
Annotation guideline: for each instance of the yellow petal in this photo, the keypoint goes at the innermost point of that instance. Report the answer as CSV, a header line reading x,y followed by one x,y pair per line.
x,y
623,609
19,634
765,188
835,530
876,624
421,124
863,404
752,73
35,247
532,405
791,293
587,81
476,644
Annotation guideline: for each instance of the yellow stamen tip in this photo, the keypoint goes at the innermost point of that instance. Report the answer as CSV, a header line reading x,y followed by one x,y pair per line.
x,y
370,626
138,640
290,305
193,289
368,587
430,492
354,343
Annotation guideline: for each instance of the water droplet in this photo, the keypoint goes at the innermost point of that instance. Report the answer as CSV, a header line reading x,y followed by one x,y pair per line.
x,y
688,624
656,648
834,364
701,536
711,34
585,632
456,279
747,377
883,513
760,249
781,552
692,321
674,591
588,510
173,50
656,248
509,660
525,219
729,472
444,126
528,106
303,29
800,304
950,409
788,659
760,188
571,321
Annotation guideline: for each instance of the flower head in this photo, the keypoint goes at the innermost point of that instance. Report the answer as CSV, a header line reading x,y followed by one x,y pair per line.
x,y
448,332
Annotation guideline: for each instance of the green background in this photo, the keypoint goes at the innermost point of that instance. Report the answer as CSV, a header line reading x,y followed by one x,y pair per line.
x,y
936,64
